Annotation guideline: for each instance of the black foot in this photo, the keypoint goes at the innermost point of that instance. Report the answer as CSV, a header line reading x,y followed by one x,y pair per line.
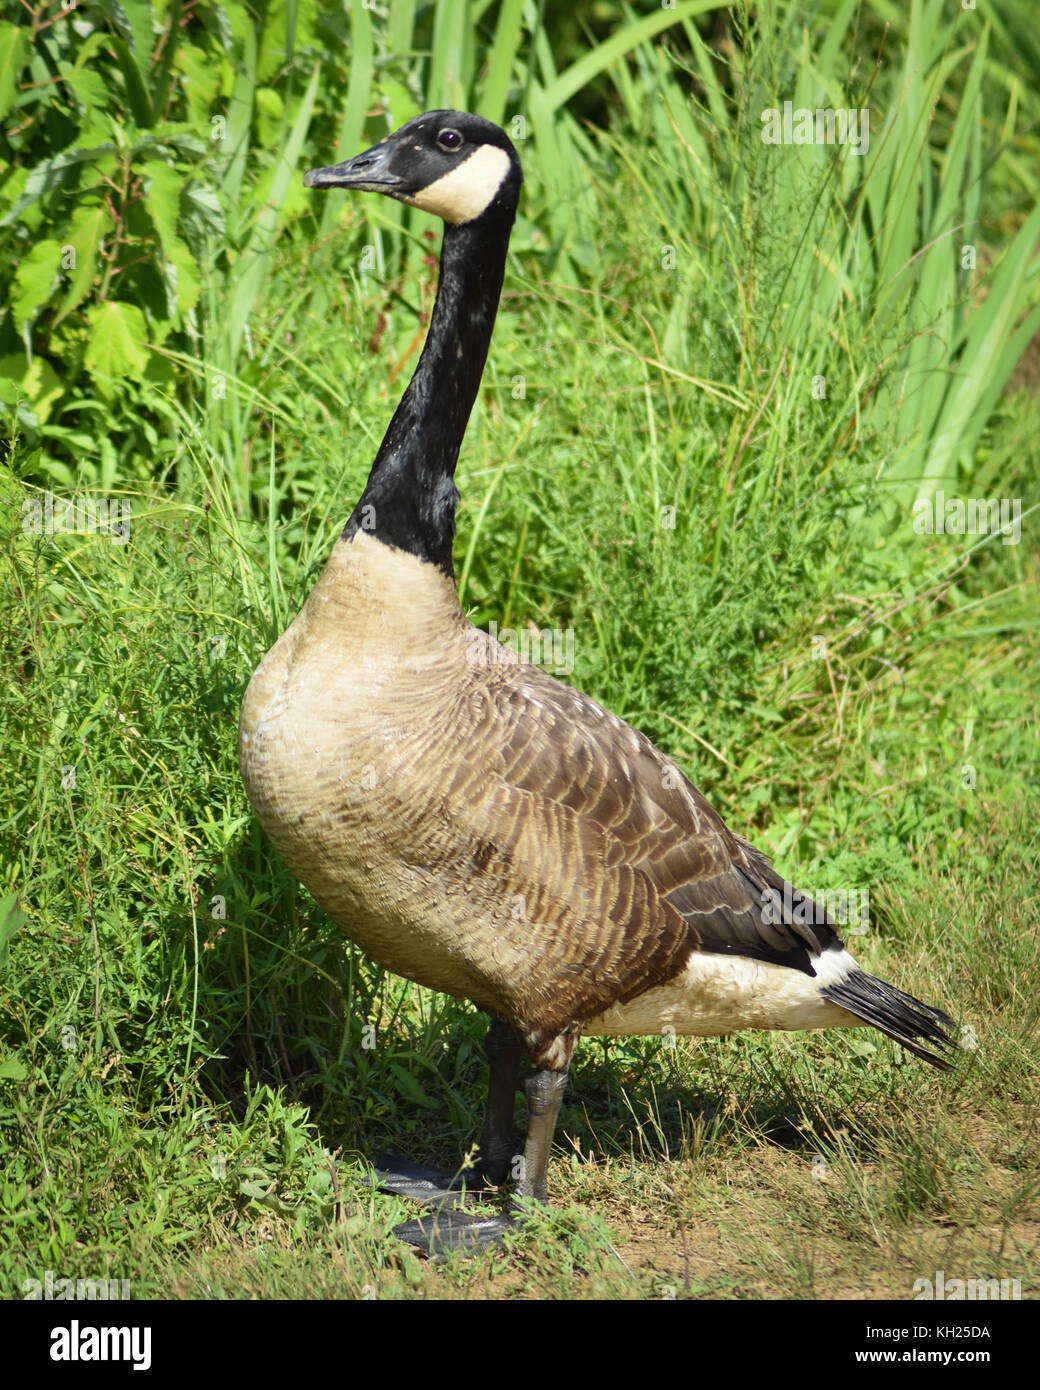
x,y
446,1230
445,1226
432,1187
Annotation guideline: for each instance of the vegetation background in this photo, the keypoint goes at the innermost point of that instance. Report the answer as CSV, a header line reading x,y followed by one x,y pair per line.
x,y
724,375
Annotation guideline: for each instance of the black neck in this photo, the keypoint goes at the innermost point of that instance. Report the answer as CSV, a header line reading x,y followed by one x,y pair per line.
x,y
410,497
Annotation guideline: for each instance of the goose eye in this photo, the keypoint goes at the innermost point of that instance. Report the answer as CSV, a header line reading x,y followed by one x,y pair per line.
x,y
449,139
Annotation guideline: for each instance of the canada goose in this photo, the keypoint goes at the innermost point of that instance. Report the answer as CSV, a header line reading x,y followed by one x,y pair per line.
x,y
474,824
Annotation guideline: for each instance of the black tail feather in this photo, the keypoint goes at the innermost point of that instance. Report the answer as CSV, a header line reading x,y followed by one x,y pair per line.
x,y
899,1016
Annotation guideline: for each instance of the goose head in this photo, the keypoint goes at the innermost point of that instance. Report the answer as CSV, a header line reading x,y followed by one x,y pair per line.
x,y
458,166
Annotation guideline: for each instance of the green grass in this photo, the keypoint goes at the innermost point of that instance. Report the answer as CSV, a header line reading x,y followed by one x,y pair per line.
x,y
189,1080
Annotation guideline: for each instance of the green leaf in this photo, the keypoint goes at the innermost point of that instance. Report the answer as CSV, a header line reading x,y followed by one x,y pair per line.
x,y
136,88
270,117
410,1088
256,255
203,210
201,84
13,368
118,342
36,278
239,114
88,227
184,276
265,1194
449,73
91,91
12,57
174,31
11,918
132,20
359,90
288,27
504,53
55,173
44,387
162,199
621,41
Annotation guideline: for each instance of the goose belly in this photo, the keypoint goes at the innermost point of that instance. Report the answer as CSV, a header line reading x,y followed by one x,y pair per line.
x,y
334,808
718,994
333,742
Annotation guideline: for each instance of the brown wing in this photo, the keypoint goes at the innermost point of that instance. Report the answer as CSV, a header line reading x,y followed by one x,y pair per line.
x,y
621,865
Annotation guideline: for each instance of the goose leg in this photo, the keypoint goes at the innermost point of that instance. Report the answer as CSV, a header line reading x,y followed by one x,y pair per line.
x,y
451,1229
497,1147
544,1097
438,1186
441,1191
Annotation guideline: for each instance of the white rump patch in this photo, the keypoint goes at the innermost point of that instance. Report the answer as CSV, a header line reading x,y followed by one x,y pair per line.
x,y
468,190
724,994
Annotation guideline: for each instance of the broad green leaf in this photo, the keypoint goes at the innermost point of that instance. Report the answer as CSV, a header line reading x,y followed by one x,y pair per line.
x,y
88,227
36,277
13,367
42,385
288,26
186,272
118,342
161,81
86,49
201,83
203,215
136,85
55,173
162,199
133,21
92,92
13,53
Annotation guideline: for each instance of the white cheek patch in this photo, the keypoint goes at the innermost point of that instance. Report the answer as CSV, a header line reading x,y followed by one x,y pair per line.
x,y
467,191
